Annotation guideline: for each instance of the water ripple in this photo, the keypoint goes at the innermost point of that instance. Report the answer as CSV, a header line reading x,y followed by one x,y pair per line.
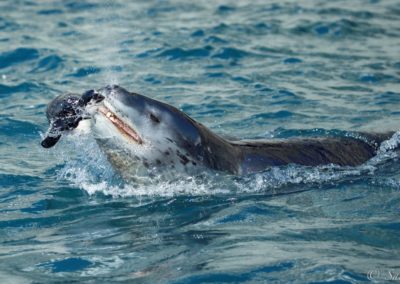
x,y
85,71
48,63
6,90
179,53
17,56
245,69
231,53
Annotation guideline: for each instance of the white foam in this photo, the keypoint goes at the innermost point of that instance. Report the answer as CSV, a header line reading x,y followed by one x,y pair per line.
x,y
391,144
92,172
189,186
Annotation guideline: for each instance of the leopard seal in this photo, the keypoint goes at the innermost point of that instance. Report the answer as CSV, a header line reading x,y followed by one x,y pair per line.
x,y
135,130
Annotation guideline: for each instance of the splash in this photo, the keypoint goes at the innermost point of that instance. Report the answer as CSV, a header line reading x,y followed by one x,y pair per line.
x,y
188,186
390,145
87,164
91,171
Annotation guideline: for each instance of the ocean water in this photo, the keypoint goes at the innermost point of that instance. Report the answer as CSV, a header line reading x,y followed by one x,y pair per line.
x,y
246,69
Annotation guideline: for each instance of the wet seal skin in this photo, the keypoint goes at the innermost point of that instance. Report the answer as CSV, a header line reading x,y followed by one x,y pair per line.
x,y
65,112
131,127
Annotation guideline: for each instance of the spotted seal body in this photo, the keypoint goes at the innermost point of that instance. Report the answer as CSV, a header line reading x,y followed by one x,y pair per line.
x,y
135,130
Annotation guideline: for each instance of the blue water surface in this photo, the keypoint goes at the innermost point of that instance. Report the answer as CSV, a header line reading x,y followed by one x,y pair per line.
x,y
246,69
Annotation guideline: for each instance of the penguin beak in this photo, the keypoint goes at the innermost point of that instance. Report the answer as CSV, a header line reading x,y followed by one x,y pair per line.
x,y
57,126
50,141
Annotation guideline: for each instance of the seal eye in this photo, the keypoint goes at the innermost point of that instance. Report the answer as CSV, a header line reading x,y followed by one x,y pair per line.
x,y
154,118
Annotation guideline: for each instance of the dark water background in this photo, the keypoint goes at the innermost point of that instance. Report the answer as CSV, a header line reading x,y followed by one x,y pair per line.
x,y
251,69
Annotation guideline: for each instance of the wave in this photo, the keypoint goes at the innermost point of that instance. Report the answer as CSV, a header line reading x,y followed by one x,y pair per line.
x,y
180,53
339,28
85,71
48,63
17,55
26,87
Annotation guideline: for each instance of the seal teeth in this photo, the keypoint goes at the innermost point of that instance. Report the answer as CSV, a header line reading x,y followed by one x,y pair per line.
x,y
121,126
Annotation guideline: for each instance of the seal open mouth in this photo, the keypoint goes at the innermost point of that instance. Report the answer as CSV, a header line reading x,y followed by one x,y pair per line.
x,y
120,125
